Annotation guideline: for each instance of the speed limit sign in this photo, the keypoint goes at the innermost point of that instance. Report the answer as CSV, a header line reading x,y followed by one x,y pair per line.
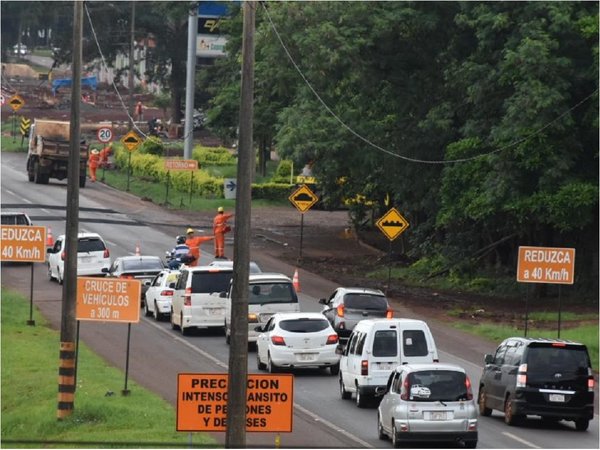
x,y
105,134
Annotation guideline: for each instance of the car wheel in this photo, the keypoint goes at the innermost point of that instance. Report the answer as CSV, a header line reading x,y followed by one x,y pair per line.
x,y
335,369
59,277
260,365
395,441
184,331
50,277
361,400
147,311
174,326
510,418
481,400
343,392
228,336
582,424
272,368
380,432
157,315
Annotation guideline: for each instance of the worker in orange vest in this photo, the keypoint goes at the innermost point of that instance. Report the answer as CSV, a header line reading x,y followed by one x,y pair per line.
x,y
93,162
220,227
193,242
104,154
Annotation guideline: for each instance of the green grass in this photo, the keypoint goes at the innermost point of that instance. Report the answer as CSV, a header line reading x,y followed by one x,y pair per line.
x,y
10,144
587,335
29,395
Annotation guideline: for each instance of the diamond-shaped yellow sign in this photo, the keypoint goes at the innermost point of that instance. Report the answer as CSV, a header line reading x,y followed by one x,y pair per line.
x,y
303,198
392,224
16,102
131,141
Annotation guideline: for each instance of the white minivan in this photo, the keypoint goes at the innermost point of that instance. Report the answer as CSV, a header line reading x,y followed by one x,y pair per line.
x,y
375,348
269,293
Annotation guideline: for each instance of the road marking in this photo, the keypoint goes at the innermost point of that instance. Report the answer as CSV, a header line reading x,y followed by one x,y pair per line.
x,y
224,366
521,440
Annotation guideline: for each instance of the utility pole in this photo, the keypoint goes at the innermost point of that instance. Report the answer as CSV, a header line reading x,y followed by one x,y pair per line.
x,y
131,66
68,324
238,353
190,83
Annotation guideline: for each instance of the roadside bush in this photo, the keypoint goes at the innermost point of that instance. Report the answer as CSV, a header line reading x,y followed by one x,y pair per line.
x,y
271,191
152,146
213,156
283,172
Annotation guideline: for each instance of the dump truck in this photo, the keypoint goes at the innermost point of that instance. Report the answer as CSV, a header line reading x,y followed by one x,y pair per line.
x,y
48,152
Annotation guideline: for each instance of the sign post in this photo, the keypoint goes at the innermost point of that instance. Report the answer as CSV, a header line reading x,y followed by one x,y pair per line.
x,y
392,224
190,165
16,102
303,199
552,265
131,141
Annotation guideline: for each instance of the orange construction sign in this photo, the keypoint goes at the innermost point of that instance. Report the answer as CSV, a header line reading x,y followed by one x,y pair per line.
x,y
181,164
202,402
22,243
546,265
108,299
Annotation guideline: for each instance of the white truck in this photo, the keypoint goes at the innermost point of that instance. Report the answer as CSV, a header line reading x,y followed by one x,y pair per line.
x,y
48,152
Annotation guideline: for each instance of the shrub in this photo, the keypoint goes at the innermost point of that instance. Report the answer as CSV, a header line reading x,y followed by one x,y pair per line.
x,y
152,146
283,172
216,156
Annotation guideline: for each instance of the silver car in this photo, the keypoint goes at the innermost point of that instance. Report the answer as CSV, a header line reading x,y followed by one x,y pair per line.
x,y
428,402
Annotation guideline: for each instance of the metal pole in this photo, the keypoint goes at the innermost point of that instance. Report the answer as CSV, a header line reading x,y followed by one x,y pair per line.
x,y
235,436
167,193
301,235
66,371
131,68
77,350
14,127
191,187
126,391
559,309
31,321
128,170
389,269
526,308
190,82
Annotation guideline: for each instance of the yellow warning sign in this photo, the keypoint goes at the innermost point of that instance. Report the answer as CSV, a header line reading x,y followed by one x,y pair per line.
x,y
303,198
392,224
131,141
16,102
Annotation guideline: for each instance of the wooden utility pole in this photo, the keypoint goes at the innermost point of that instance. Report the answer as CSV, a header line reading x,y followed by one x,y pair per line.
x,y
68,324
238,352
131,67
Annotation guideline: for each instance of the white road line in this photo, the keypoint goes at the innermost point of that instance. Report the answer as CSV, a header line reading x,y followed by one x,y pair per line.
x,y
517,438
220,363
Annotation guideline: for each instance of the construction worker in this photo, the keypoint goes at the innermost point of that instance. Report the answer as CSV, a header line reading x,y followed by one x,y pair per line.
x,y
220,227
139,111
93,162
193,242
104,154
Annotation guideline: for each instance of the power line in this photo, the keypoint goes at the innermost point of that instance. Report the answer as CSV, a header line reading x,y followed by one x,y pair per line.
x,y
397,155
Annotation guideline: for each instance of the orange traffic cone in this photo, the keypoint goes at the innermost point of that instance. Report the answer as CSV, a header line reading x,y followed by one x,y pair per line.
x,y
49,238
295,281
137,250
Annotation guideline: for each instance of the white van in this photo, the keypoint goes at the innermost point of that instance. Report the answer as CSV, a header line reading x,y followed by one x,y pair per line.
x,y
269,293
375,348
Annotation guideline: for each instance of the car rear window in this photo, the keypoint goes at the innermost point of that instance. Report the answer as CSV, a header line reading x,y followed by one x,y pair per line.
x,y
142,264
567,358
437,385
209,282
415,343
385,343
90,245
265,293
14,219
304,325
365,301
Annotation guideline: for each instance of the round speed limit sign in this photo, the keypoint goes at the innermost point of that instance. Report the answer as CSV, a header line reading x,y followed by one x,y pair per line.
x,y
105,134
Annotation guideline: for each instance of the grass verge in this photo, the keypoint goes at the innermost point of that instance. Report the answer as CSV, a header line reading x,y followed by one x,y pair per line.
x,y
29,395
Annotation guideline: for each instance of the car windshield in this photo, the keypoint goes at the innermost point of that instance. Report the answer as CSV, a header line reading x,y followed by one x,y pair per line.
x,y
564,358
437,385
385,343
304,325
209,282
265,293
365,301
85,245
142,264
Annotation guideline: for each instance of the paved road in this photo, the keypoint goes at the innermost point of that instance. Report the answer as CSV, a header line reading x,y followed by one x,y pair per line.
x,y
321,418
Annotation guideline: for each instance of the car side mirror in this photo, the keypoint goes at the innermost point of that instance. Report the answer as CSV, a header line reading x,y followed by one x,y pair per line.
x,y
147,283
339,350
223,294
488,358
49,250
258,328
172,285
105,270
323,301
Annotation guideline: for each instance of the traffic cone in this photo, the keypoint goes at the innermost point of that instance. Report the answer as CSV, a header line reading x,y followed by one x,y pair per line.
x,y
49,238
137,250
295,281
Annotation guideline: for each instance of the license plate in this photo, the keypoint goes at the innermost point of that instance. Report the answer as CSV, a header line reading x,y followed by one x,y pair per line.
x,y
85,259
306,356
215,311
435,415
557,397
385,366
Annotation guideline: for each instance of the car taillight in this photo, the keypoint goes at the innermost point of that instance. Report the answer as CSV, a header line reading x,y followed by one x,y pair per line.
x,y
127,277
559,344
187,297
252,318
468,386
591,381
364,367
62,256
340,311
522,376
167,293
277,340
332,339
405,389
389,314
106,253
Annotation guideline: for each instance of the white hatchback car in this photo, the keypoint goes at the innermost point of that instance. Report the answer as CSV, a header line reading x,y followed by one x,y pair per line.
x,y
93,257
297,340
160,294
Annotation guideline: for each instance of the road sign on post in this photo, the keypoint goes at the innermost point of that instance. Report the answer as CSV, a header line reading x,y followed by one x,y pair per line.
x,y
16,102
131,141
546,265
181,164
392,224
22,243
105,134
303,198
108,299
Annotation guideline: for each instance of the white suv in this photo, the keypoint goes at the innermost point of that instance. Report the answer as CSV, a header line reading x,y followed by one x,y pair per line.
x,y
93,257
